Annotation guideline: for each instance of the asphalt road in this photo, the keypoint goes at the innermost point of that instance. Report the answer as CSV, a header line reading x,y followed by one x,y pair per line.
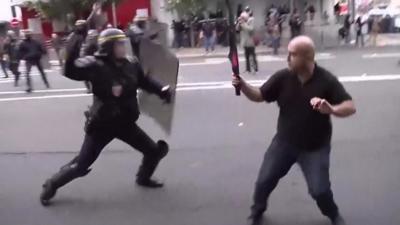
x,y
217,145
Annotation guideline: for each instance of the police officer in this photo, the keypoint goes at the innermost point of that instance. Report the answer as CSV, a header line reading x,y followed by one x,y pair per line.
x,y
81,36
90,48
136,32
11,51
115,80
78,36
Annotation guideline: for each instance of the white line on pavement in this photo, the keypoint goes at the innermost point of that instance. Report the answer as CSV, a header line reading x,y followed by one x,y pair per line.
x,y
187,87
42,97
381,55
261,58
43,91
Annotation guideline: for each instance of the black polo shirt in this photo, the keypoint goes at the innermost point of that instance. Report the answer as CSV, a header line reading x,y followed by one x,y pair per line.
x,y
298,123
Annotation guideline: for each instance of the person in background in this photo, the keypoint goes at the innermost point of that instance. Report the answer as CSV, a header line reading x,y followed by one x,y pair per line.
x,y
347,27
32,51
311,10
3,62
325,17
295,23
375,31
57,45
276,36
136,33
11,53
359,34
209,35
178,28
336,11
246,27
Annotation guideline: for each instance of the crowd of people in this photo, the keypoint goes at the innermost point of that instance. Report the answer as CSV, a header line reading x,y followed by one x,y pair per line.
x,y
14,49
196,31
22,48
363,26
199,30
208,32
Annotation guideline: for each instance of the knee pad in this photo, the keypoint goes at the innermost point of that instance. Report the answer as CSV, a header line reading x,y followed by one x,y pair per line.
x,y
163,148
319,195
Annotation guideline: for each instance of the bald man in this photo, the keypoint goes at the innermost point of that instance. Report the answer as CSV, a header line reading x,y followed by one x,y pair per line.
x,y
307,96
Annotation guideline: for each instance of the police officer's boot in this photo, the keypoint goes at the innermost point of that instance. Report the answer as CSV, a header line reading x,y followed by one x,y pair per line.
x,y
338,220
65,175
255,220
149,165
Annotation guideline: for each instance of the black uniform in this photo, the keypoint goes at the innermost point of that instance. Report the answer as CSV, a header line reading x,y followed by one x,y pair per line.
x,y
11,49
89,49
113,114
32,51
135,34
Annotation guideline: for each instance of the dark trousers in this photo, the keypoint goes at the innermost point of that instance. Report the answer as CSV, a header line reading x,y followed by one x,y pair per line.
x,y
3,65
38,64
98,138
14,67
178,39
278,160
295,32
360,39
250,53
275,44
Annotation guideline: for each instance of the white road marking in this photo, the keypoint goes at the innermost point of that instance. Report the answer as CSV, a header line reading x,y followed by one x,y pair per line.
x,y
381,55
260,58
43,91
183,87
42,97
370,78
11,78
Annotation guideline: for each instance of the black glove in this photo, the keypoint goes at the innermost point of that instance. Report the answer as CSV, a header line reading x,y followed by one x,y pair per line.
x,y
166,94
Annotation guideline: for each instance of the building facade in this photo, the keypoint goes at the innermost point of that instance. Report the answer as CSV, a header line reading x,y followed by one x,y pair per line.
x,y
120,15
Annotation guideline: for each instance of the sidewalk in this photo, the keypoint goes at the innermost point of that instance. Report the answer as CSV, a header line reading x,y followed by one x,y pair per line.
x,y
323,40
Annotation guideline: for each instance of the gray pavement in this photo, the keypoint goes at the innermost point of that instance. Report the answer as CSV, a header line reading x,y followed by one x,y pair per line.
x,y
218,142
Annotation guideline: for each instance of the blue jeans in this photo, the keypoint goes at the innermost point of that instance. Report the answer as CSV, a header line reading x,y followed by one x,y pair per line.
x,y
278,160
275,44
209,43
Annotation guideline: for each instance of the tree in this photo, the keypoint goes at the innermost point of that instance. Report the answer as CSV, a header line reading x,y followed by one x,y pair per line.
x,y
186,7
